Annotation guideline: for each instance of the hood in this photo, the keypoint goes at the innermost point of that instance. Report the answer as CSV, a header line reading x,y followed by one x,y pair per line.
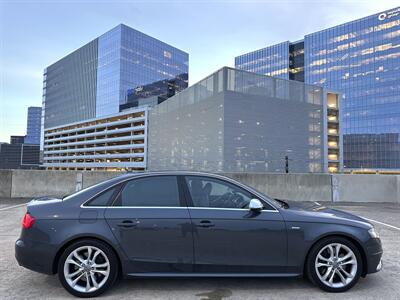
x,y
320,212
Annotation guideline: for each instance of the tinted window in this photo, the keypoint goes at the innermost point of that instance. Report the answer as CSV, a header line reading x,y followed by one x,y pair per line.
x,y
150,191
210,192
103,199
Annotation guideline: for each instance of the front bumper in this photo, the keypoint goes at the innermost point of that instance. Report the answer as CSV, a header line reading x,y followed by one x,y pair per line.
x,y
34,256
374,255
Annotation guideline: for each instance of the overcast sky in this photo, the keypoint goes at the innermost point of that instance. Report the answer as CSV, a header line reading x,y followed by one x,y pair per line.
x,y
35,34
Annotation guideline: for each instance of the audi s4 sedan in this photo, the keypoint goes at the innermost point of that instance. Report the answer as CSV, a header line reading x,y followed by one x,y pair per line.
x,y
189,224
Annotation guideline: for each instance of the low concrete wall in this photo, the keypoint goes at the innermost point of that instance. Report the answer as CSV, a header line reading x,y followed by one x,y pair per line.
x,y
35,183
365,188
5,183
301,187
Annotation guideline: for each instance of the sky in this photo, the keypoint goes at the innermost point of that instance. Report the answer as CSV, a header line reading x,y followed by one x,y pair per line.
x,y
35,34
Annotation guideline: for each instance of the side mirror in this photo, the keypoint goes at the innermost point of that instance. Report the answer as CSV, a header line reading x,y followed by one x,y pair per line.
x,y
255,204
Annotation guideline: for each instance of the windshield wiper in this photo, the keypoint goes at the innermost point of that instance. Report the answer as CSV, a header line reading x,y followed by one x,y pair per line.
x,y
284,204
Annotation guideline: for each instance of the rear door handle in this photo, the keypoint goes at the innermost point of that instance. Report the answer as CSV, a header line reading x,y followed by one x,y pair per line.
x,y
127,224
206,224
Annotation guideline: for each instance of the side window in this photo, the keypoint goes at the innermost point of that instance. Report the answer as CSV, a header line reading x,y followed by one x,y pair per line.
x,y
150,191
103,199
210,192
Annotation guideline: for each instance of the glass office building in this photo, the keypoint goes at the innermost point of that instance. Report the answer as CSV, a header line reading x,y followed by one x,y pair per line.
x,y
271,61
94,80
361,59
33,125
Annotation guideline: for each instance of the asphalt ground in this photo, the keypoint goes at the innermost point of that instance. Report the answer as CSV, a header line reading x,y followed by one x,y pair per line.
x,y
19,283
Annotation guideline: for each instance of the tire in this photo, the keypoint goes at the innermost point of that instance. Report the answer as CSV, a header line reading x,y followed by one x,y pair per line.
x,y
337,267
102,269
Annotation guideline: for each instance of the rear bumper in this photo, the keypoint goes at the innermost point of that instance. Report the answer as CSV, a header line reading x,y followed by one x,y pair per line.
x,y
374,255
34,256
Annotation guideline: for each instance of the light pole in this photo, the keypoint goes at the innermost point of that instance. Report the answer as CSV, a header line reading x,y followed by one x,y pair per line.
x,y
287,161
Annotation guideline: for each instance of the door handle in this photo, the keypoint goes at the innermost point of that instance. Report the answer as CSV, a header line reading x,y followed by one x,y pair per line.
x,y
206,224
127,224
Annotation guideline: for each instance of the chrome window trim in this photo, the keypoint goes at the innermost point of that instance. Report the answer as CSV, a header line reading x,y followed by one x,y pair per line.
x,y
177,207
228,208
169,207
177,173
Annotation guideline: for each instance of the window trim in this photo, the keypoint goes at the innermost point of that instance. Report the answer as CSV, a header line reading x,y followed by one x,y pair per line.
x,y
182,202
190,201
185,205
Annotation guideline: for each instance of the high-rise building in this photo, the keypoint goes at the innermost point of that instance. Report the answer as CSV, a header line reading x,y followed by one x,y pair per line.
x,y
360,59
33,125
17,139
94,80
19,156
237,121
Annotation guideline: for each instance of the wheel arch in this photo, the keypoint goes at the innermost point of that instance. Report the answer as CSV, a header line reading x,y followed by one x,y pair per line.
x,y
345,236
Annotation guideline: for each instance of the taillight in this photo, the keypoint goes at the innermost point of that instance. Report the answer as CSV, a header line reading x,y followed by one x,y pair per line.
x,y
27,221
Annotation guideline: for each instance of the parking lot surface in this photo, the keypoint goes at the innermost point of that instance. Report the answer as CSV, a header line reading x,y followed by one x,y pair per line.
x,y
19,283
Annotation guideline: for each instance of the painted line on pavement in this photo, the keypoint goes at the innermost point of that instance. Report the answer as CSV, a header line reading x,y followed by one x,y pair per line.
x,y
388,225
14,206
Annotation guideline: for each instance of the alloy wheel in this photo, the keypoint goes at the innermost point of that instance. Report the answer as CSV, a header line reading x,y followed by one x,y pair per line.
x,y
86,269
336,265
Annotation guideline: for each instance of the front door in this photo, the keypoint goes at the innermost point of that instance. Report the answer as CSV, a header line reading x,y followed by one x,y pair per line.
x,y
228,237
152,225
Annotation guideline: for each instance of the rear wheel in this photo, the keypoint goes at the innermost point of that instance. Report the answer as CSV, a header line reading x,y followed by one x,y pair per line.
x,y
88,268
334,264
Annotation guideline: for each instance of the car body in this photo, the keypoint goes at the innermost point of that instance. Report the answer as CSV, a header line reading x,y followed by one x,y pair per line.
x,y
192,224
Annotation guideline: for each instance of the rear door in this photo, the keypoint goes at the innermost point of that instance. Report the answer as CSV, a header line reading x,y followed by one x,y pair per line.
x,y
151,222
228,237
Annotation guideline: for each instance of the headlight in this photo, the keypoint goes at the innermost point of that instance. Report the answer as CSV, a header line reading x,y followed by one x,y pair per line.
x,y
373,233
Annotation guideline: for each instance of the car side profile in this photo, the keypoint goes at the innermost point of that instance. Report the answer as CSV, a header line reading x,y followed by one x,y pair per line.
x,y
191,224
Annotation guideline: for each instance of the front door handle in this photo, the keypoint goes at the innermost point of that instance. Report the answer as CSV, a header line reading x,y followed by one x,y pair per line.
x,y
127,224
206,224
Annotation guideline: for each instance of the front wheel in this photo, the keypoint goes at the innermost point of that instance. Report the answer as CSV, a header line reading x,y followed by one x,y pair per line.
x,y
87,268
334,264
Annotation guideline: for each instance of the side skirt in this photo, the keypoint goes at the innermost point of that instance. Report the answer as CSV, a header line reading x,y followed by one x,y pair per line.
x,y
213,275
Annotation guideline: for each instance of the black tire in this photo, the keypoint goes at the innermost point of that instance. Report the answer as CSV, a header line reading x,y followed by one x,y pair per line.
x,y
310,264
113,271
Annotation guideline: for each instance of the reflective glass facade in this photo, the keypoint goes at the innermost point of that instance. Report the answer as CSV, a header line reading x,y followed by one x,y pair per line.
x,y
271,61
94,80
69,87
33,125
108,72
129,59
361,59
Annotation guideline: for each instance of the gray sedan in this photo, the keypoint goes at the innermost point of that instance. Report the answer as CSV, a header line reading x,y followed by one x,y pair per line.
x,y
191,224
